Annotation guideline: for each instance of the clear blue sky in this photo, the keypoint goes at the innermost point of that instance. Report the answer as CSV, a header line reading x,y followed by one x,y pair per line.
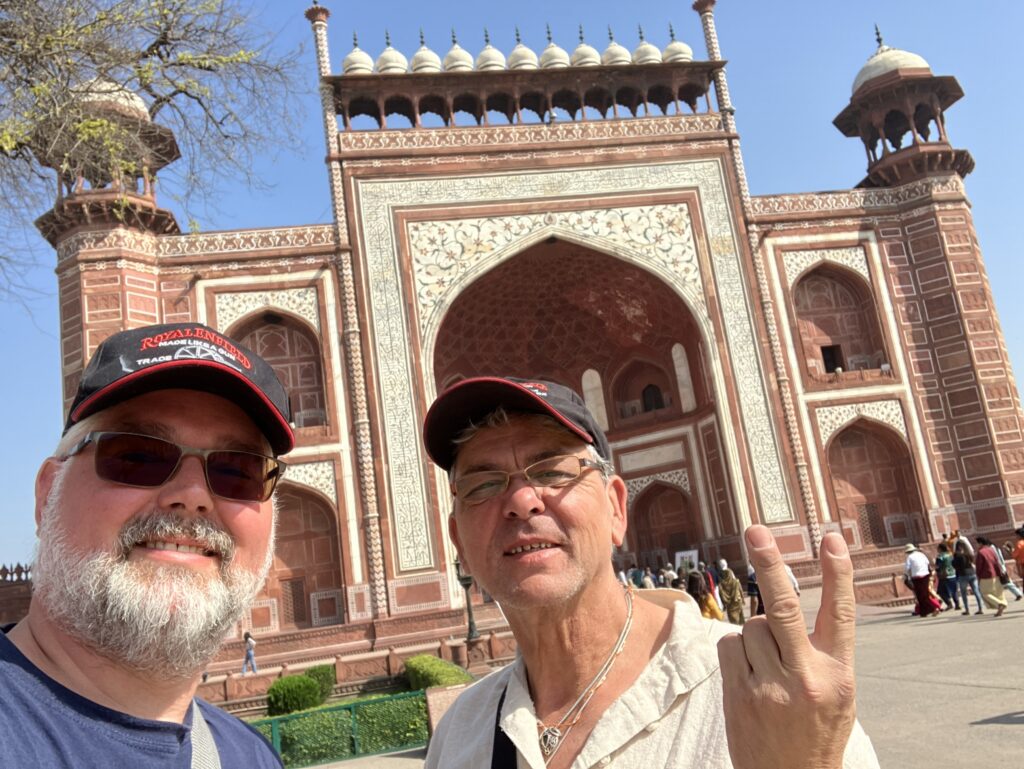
x,y
790,68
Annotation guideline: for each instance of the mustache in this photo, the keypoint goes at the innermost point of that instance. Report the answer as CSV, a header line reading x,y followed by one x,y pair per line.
x,y
204,532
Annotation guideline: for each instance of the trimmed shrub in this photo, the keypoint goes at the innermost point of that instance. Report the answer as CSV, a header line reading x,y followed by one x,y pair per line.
x,y
424,670
391,723
291,693
324,677
317,737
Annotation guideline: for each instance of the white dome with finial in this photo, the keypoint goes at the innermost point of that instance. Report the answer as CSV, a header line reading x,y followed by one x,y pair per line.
x,y
646,53
106,93
458,59
676,50
521,57
391,61
425,60
585,55
887,59
614,54
490,58
553,57
358,61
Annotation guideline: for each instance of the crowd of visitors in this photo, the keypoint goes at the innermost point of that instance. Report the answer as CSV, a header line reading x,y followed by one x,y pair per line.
x,y
960,570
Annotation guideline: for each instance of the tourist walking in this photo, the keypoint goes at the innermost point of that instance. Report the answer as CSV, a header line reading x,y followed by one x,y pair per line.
x,y
250,653
731,592
1004,575
697,587
919,570
966,576
947,577
986,564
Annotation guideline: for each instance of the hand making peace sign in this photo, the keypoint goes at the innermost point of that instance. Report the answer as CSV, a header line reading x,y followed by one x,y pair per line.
x,y
789,697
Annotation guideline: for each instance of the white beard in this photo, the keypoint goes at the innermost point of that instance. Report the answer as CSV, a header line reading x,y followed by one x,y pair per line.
x,y
158,619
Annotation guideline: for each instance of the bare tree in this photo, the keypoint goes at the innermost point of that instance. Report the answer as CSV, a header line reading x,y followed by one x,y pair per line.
x,y
89,87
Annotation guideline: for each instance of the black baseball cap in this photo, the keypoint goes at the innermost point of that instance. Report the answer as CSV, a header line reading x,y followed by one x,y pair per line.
x,y
189,356
471,400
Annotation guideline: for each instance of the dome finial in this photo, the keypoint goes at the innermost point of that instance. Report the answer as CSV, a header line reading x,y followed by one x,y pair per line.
x,y
355,39
423,39
487,37
671,32
387,39
455,40
548,28
581,33
640,30
519,38
611,35
878,36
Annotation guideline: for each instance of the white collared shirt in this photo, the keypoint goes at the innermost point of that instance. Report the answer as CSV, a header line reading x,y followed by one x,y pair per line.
x,y
670,718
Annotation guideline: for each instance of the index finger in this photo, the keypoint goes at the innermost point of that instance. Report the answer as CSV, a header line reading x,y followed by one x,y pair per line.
x,y
781,605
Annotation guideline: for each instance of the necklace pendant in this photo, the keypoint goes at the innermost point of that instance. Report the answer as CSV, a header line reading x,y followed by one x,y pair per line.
x,y
549,739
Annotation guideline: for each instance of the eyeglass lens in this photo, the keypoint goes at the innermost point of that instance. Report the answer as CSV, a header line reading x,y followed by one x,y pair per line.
x,y
555,471
141,460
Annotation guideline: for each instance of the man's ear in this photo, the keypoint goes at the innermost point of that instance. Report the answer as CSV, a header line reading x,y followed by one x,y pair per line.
x,y
44,485
618,498
453,533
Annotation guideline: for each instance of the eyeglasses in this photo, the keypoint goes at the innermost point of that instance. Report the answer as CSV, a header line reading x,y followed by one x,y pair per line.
x,y
142,460
554,472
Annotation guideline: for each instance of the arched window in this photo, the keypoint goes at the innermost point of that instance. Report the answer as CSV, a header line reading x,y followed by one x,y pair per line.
x,y
652,398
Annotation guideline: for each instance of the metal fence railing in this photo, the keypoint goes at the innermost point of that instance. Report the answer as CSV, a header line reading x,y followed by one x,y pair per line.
x,y
337,732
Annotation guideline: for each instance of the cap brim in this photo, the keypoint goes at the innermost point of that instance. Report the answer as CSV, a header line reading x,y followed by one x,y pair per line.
x,y
472,400
203,375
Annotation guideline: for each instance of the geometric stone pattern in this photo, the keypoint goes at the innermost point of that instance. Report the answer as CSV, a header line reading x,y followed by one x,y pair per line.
x,y
833,418
378,199
678,478
315,475
449,254
326,619
297,301
855,201
797,262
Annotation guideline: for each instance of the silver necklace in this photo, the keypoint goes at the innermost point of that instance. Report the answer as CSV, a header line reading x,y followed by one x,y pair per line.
x,y
551,736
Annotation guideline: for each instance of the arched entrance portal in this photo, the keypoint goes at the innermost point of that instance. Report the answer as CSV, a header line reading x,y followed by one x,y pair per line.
x,y
663,523
619,336
875,488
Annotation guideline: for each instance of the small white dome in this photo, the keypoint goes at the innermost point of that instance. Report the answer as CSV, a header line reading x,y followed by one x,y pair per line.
x,y
490,58
391,61
887,59
358,61
101,91
425,60
585,55
676,51
522,57
458,59
553,57
614,54
646,53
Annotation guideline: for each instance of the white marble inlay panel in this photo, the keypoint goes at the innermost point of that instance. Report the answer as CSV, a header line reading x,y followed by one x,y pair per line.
x,y
678,478
831,419
315,475
652,457
853,258
297,301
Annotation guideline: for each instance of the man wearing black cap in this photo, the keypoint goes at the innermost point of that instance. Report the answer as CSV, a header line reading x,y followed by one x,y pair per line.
x,y
606,676
156,529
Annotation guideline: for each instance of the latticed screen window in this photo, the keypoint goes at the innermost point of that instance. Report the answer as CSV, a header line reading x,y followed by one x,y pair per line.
x,y
870,522
293,601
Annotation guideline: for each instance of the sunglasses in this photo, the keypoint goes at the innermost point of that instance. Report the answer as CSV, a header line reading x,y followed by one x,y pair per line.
x,y
142,460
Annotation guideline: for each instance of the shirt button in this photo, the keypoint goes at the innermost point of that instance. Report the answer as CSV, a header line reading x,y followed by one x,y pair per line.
x,y
651,727
605,761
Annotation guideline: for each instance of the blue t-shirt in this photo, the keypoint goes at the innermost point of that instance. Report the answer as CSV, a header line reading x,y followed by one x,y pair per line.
x,y
44,724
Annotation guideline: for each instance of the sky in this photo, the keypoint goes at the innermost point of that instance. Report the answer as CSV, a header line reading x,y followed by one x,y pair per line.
x,y
790,68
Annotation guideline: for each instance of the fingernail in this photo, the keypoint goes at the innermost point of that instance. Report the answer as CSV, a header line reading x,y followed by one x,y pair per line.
x,y
835,546
758,537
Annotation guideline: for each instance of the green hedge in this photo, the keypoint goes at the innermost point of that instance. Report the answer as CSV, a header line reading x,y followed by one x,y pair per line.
x,y
291,693
424,671
325,678
391,723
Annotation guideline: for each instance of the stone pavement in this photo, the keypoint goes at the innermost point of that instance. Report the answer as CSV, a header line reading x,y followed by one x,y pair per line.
x,y
945,690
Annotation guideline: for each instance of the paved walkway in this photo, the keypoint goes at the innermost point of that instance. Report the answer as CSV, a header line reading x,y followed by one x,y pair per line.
x,y
944,690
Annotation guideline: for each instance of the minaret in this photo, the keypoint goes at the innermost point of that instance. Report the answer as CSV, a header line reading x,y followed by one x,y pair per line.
x,y
95,190
897,110
317,16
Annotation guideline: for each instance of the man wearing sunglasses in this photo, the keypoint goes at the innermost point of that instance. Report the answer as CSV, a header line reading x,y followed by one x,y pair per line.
x,y
608,676
156,530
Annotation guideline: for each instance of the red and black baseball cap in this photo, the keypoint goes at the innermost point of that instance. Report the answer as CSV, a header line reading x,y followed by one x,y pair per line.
x,y
188,356
470,400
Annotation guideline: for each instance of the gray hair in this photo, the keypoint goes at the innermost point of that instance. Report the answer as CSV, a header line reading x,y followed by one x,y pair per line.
x,y
500,418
